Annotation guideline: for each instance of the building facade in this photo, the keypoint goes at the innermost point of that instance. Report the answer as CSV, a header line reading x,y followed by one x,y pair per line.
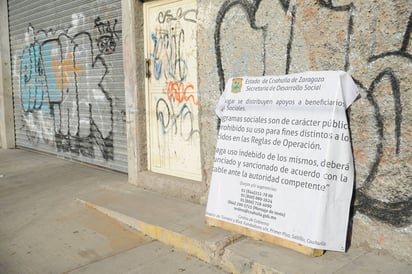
x,y
132,86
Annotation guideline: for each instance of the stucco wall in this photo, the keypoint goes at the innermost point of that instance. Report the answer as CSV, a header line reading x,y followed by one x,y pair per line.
x,y
369,39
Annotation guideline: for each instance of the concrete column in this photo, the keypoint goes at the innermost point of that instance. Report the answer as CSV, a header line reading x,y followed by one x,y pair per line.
x,y
7,138
134,88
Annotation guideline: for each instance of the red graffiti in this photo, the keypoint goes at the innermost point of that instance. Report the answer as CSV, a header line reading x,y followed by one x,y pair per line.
x,y
178,91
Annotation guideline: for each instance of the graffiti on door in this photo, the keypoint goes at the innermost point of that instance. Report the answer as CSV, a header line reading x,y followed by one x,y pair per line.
x,y
174,112
172,92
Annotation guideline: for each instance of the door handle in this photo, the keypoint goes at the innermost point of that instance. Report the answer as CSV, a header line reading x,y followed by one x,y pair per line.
x,y
148,74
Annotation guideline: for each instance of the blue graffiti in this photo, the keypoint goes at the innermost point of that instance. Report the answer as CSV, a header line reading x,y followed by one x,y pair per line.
x,y
167,55
32,83
170,121
54,92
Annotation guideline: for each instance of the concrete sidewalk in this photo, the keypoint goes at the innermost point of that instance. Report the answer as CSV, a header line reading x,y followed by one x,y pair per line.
x,y
181,224
177,223
45,229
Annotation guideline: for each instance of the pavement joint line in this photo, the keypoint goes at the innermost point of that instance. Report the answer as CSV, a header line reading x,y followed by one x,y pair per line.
x,y
103,258
248,267
344,266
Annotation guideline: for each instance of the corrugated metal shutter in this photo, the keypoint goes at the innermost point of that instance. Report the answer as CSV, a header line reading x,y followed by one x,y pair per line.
x,y
68,80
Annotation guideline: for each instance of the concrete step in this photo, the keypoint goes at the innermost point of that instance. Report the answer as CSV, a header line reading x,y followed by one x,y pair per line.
x,y
181,224
175,222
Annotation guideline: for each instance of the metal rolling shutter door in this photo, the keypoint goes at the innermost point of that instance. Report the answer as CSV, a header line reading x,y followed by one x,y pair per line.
x,y
68,81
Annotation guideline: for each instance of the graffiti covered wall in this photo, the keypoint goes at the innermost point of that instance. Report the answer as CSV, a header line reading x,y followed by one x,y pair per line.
x,y
369,39
68,80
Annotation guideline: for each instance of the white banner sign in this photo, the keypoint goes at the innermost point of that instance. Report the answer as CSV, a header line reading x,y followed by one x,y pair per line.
x,y
283,162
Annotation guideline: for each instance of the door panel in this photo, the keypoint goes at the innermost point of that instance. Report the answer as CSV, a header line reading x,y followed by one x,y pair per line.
x,y
171,89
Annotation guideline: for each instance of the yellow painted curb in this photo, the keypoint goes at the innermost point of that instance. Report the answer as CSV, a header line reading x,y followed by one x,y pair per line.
x,y
188,245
